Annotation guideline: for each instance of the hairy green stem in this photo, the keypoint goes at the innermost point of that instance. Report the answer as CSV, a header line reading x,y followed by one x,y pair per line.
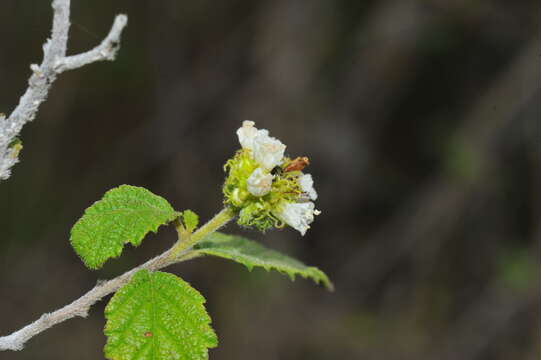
x,y
185,243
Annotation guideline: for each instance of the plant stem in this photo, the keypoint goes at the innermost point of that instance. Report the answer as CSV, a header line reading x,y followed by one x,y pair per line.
x,y
181,251
185,243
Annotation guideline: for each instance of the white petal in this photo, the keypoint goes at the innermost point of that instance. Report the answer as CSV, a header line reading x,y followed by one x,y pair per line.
x,y
268,151
307,186
297,215
246,134
259,183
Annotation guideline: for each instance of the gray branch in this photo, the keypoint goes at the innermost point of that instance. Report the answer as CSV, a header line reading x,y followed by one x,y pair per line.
x,y
105,51
43,76
80,307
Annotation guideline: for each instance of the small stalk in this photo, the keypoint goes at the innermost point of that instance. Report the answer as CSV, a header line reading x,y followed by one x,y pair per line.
x,y
185,243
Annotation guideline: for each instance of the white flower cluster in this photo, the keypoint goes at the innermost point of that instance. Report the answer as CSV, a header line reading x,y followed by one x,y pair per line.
x,y
268,152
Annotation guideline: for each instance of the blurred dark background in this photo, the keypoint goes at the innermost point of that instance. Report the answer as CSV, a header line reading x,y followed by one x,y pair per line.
x,y
421,119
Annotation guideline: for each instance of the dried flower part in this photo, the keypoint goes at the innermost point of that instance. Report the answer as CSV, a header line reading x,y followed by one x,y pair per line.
x,y
297,164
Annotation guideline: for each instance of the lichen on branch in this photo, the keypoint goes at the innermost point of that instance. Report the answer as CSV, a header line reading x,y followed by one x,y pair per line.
x,y
43,76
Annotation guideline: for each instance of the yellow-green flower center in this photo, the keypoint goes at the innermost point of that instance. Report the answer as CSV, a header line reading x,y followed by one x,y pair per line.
x,y
257,211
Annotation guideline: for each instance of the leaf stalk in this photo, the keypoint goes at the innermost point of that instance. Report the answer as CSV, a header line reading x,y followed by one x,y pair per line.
x,y
185,243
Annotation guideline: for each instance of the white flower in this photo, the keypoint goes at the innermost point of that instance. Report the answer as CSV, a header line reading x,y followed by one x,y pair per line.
x,y
298,215
285,204
268,151
307,186
259,183
247,134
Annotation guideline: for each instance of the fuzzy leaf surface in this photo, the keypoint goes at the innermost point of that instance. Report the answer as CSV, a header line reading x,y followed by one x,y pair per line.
x,y
252,254
124,215
157,316
191,220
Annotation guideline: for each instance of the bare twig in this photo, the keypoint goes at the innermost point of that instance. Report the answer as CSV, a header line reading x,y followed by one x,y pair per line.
x,y
105,51
43,76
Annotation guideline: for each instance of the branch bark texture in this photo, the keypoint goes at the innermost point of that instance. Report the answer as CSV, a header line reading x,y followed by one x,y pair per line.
x,y
80,307
43,76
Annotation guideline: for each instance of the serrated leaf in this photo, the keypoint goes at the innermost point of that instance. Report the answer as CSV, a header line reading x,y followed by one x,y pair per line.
x,y
252,254
190,220
158,316
124,215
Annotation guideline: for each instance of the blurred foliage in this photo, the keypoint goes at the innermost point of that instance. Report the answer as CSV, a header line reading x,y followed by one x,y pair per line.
x,y
518,270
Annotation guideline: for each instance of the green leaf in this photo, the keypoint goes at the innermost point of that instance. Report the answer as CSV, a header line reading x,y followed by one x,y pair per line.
x,y
124,215
157,316
252,254
190,219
